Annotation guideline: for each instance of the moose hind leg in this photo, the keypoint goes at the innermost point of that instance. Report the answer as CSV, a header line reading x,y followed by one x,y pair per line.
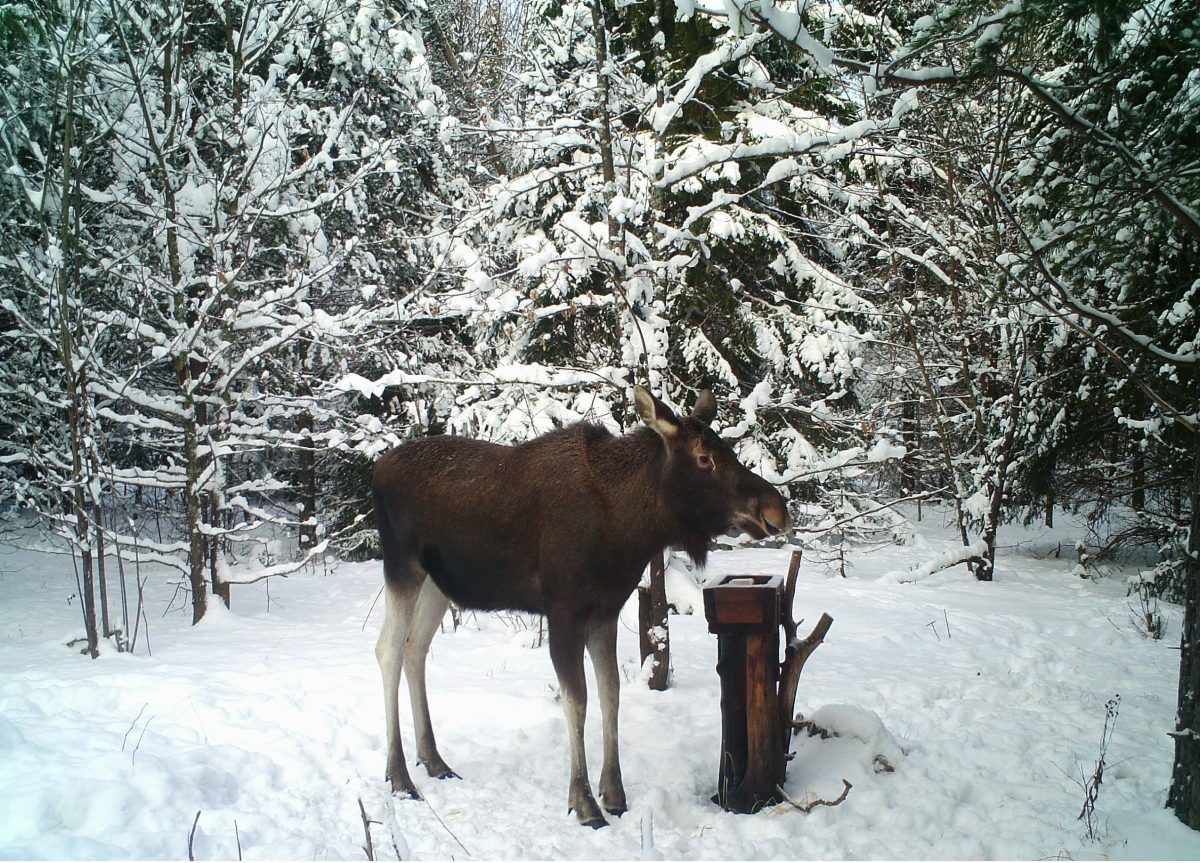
x,y
389,650
427,616
602,645
566,652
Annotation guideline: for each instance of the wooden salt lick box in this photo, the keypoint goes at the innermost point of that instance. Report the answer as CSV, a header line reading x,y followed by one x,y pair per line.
x,y
744,611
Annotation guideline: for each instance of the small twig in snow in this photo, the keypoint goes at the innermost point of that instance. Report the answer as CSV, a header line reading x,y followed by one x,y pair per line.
x,y
132,724
138,745
809,807
369,848
192,835
1091,788
447,829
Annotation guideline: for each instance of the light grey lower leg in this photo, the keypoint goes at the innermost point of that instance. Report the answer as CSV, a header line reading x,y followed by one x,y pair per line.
x,y
389,651
602,645
566,652
427,615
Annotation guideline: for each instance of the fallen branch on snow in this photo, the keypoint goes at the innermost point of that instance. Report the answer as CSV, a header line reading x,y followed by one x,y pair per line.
x,y
809,807
976,551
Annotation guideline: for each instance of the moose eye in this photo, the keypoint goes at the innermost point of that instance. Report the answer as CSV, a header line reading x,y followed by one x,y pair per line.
x,y
705,461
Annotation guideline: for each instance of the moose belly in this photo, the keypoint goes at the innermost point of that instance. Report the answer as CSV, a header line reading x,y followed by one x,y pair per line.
x,y
487,582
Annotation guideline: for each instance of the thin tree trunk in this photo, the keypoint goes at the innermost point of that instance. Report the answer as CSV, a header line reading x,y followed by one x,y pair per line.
x,y
943,432
654,636
217,518
1050,495
1138,497
908,434
1184,794
918,463
653,627
985,570
307,479
98,524
307,483
192,502
73,377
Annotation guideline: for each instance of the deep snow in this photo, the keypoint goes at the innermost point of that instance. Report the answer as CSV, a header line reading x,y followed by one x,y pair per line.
x,y
988,700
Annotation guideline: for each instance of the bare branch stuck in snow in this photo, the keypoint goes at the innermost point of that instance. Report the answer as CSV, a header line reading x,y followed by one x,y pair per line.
x,y
813,804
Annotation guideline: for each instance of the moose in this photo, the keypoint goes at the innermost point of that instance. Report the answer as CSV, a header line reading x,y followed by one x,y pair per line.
x,y
562,526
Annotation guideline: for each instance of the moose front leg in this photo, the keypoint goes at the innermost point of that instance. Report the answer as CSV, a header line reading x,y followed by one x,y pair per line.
x,y
566,652
602,645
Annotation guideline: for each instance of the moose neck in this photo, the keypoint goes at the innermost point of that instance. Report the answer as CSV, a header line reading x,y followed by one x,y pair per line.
x,y
635,472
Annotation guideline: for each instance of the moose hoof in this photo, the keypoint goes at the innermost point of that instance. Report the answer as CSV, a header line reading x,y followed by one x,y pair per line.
x,y
592,819
614,802
405,791
589,815
439,770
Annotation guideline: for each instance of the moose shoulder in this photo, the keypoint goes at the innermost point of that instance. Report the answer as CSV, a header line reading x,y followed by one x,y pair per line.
x,y
563,526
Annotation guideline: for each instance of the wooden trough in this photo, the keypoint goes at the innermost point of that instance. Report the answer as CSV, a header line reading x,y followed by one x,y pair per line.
x,y
758,692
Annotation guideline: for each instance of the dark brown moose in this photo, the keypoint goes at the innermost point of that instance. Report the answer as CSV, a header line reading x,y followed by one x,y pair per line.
x,y
562,526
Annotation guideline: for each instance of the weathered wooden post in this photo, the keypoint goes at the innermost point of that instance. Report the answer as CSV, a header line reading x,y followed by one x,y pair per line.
x,y
743,612
758,694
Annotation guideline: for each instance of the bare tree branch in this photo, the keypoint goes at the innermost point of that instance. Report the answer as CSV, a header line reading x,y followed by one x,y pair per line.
x,y
809,807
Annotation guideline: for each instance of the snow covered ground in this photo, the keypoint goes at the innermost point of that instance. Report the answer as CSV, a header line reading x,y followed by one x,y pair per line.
x,y
267,720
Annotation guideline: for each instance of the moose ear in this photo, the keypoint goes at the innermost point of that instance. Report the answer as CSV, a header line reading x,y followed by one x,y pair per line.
x,y
705,410
654,413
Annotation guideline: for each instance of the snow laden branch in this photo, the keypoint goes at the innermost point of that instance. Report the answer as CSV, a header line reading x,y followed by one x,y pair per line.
x,y
850,459
732,51
1119,327
279,570
1146,176
784,23
789,27
779,146
529,374
860,515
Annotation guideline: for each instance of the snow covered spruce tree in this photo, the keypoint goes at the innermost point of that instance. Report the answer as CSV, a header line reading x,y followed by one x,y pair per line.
x,y
666,169
1098,233
1100,209
778,198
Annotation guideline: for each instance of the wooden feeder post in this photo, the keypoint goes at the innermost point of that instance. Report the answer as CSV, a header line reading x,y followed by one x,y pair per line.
x,y
743,612
758,694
